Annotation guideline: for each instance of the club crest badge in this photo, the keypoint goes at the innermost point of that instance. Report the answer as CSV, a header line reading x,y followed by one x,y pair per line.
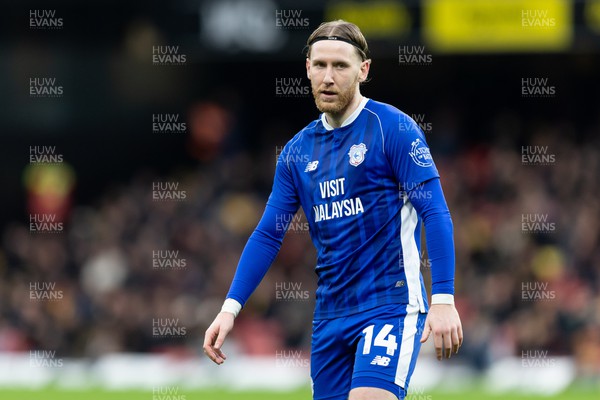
x,y
357,154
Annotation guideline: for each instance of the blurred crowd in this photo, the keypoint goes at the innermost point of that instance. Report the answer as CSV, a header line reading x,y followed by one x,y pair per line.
x,y
519,288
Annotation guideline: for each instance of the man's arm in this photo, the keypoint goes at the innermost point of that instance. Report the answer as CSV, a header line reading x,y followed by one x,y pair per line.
x,y
409,157
260,251
443,319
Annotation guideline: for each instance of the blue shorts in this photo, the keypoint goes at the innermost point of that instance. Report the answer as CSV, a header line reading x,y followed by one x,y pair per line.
x,y
376,348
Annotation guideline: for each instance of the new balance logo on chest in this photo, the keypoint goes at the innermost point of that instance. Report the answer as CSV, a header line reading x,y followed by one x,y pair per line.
x,y
311,166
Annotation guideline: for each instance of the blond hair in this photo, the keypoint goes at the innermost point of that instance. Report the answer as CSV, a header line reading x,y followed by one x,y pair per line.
x,y
345,30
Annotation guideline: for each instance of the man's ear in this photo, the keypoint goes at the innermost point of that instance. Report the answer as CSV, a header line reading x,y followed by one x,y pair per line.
x,y
307,68
364,70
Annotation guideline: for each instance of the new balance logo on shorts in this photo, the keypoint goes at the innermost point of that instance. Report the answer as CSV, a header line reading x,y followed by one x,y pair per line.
x,y
379,360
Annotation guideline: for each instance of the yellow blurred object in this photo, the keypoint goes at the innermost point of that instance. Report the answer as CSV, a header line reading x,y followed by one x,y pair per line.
x,y
240,213
498,25
548,263
376,19
49,188
592,15
44,179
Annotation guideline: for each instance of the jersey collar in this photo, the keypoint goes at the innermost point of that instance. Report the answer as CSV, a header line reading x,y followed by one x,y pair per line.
x,y
350,118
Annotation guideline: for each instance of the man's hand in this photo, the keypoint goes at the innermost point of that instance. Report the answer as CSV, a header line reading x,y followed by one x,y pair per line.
x,y
215,336
444,322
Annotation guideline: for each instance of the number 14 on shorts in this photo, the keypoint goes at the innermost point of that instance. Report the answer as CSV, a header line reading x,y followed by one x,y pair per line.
x,y
383,339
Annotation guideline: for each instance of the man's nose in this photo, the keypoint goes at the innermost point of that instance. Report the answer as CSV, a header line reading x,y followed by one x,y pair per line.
x,y
328,78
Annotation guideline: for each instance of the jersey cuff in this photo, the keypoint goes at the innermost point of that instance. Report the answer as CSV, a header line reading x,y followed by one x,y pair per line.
x,y
442,299
231,306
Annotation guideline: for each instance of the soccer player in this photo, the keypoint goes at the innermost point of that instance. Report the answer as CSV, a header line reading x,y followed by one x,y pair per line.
x,y
368,185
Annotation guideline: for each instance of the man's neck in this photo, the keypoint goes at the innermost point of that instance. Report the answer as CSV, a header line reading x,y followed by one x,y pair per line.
x,y
336,120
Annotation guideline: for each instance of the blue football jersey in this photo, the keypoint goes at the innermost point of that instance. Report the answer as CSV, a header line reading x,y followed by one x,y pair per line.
x,y
352,183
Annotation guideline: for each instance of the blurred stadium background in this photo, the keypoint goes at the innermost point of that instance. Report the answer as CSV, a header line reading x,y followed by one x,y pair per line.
x,y
138,146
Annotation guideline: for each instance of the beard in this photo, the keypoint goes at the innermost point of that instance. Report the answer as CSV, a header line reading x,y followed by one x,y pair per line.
x,y
337,105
